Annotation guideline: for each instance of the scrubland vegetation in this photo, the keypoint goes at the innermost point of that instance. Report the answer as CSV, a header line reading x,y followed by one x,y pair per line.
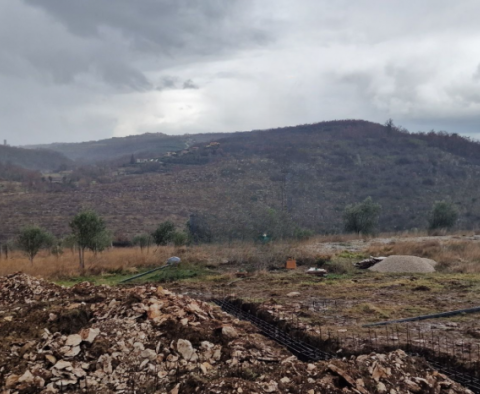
x,y
290,182
115,261
247,202
334,253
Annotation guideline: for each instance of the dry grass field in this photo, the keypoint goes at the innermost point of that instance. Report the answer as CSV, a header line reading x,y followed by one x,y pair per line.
x,y
455,254
130,260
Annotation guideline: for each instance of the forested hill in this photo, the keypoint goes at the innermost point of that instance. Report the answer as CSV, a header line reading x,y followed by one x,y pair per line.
x,y
309,174
33,159
278,181
141,146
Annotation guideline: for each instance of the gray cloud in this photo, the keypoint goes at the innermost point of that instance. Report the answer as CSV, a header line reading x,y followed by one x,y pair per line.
x,y
173,82
77,70
189,84
169,26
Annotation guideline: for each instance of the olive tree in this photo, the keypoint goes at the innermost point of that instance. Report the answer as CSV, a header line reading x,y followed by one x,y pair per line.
x,y
361,217
57,248
90,232
199,229
164,233
32,239
143,241
443,215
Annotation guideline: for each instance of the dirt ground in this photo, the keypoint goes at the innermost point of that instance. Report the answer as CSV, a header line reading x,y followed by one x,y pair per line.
x,y
147,339
340,305
357,245
169,340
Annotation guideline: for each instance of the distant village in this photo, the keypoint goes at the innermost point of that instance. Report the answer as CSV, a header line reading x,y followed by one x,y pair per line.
x,y
71,177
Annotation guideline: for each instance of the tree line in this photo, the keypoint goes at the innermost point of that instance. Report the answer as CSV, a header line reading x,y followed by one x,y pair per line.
x,y
89,231
362,218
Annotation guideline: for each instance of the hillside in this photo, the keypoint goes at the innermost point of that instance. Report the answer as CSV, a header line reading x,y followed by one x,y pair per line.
x,y
33,159
278,181
142,146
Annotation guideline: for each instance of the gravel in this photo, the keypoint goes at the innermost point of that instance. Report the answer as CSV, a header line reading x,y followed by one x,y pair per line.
x,y
433,263
404,264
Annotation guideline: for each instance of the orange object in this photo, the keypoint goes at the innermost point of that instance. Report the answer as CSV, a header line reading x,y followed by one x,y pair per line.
x,y
291,264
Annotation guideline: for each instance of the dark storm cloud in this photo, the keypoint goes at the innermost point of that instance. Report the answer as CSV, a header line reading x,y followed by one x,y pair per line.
x,y
171,27
78,70
122,40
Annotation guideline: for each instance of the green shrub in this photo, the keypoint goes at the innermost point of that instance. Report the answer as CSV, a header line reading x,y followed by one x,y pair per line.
x,y
361,217
443,215
302,234
33,238
164,233
179,238
320,261
338,267
143,241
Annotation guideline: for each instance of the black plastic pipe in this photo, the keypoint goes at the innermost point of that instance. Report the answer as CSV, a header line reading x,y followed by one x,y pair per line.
x,y
143,274
425,317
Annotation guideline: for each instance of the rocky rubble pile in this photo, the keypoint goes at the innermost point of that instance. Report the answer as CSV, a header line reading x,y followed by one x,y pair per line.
x,y
392,373
146,339
23,289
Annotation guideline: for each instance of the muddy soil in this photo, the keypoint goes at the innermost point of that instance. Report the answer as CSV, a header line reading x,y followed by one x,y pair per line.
x,y
340,306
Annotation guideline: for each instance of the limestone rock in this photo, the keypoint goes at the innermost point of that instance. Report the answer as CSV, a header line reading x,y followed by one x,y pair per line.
x,y
412,386
88,335
72,352
62,364
186,350
11,381
148,354
73,340
381,388
229,332
271,387
293,294
27,377
154,311
51,359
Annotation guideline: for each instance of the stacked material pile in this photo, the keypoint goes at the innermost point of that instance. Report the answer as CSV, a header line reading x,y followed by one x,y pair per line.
x,y
409,264
145,339
367,263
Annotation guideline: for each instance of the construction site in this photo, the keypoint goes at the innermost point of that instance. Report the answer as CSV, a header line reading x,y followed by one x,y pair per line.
x,y
391,324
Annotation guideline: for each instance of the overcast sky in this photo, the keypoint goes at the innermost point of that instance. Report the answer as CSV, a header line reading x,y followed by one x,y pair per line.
x,y
92,69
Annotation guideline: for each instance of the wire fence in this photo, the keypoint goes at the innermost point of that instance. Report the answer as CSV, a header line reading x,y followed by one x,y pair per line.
x,y
458,359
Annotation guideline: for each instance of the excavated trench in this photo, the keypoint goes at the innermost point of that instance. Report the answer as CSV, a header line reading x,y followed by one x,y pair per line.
x,y
307,347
